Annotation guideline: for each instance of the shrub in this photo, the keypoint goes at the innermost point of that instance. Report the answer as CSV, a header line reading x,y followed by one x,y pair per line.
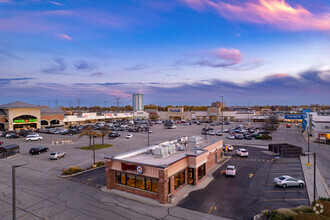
x,y
285,214
266,137
324,199
305,209
72,170
99,163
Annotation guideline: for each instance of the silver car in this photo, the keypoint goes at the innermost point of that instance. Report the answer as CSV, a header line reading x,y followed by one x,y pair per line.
x,y
285,181
56,155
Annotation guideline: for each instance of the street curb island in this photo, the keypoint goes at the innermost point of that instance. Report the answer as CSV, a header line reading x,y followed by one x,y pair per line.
x,y
84,171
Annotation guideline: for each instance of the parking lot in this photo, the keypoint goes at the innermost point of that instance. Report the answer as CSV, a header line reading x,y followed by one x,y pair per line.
x,y
38,182
252,189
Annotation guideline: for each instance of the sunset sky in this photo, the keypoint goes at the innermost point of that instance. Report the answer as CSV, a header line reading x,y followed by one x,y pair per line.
x,y
175,52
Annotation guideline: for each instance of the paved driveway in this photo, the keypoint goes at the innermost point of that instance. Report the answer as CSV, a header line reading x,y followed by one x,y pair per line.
x,y
252,190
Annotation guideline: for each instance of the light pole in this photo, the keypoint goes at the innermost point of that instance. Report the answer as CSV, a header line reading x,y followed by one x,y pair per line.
x,y
148,135
221,106
93,150
314,181
308,143
14,188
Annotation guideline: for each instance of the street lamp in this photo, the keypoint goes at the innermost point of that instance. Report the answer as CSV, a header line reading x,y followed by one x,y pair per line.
x,y
148,136
221,106
314,194
14,188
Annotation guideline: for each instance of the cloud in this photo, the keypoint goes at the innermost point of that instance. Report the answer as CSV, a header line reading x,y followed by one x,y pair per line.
x,y
11,80
6,1
277,13
58,66
97,74
55,3
8,54
85,66
221,57
64,37
136,67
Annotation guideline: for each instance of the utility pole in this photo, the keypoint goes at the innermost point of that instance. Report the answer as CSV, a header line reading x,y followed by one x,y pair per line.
x,y
221,106
314,177
56,103
78,106
14,187
117,102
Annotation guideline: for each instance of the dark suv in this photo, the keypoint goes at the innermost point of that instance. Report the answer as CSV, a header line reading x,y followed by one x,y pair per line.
x,y
114,135
38,150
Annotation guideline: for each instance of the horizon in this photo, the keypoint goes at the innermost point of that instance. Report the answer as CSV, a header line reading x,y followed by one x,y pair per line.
x,y
178,52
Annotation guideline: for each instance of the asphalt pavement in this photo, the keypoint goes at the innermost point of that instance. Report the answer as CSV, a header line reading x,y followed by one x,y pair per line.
x,y
251,190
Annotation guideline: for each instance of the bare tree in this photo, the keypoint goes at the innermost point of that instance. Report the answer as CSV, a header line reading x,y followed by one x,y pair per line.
x,y
105,130
90,133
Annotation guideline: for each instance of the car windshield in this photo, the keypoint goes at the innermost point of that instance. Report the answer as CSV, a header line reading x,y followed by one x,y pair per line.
x,y
243,151
52,153
281,178
230,169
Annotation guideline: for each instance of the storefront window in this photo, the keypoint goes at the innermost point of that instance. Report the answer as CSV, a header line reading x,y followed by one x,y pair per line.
x,y
191,176
130,180
154,186
201,171
179,179
140,182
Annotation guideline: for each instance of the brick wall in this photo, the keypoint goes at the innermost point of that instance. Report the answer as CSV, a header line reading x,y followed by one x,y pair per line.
x,y
2,119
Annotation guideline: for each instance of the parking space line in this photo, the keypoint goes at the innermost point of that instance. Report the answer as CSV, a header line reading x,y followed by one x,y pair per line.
x,y
280,200
273,191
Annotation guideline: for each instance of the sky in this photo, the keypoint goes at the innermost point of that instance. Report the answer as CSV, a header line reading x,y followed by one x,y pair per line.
x,y
175,52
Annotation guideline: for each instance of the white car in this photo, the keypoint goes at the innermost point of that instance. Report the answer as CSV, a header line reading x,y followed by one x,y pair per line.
x,y
285,181
219,133
129,136
56,155
242,152
211,133
231,137
231,170
229,147
33,137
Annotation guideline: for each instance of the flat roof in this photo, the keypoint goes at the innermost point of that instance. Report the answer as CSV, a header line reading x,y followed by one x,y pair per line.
x,y
141,156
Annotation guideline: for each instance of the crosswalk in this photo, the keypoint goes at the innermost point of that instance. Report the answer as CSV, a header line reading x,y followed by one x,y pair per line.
x,y
254,160
292,132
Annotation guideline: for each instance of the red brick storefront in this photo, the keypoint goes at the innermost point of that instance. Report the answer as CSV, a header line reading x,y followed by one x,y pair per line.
x,y
153,179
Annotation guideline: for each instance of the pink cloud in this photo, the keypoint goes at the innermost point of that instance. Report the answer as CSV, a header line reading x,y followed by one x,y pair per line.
x,y
6,1
276,13
233,55
64,37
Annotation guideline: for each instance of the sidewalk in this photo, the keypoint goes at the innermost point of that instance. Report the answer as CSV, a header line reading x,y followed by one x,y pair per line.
x,y
181,194
322,189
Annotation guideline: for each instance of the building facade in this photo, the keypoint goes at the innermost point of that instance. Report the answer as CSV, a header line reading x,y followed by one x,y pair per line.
x,y
160,171
137,104
20,115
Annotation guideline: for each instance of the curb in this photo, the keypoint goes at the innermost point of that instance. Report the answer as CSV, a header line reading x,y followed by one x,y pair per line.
x,y
84,171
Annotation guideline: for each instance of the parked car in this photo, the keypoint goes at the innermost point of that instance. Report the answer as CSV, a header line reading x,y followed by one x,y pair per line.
x,y
38,150
219,133
242,152
33,137
56,155
288,125
1,142
229,147
13,136
231,137
211,133
239,136
114,135
248,137
231,170
285,181
129,136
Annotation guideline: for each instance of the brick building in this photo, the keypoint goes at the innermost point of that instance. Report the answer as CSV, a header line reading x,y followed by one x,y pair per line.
x,y
20,115
159,171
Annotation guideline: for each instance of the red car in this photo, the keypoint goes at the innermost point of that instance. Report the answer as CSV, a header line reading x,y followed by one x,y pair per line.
x,y
1,142
288,125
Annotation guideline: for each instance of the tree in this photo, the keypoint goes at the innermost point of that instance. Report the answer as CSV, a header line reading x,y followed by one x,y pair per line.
x,y
105,130
90,133
271,123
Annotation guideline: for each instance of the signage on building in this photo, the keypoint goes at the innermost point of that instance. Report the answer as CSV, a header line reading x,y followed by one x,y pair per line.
x,y
293,116
139,170
109,114
25,120
125,166
174,110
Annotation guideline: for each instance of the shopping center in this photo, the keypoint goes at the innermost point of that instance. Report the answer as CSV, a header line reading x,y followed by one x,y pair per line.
x,y
20,115
159,171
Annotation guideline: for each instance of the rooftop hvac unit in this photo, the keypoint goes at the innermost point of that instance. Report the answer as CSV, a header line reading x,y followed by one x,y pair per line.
x,y
161,152
180,148
149,151
171,148
195,139
196,148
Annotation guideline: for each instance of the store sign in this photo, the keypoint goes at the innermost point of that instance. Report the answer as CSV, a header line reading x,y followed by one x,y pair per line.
x,y
174,110
139,170
25,120
109,114
293,116
125,166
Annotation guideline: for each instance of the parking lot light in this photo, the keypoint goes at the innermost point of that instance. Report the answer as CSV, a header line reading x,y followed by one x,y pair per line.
x,y
14,187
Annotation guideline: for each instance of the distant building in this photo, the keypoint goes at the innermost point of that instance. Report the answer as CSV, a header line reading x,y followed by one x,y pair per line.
x,y
218,104
137,102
